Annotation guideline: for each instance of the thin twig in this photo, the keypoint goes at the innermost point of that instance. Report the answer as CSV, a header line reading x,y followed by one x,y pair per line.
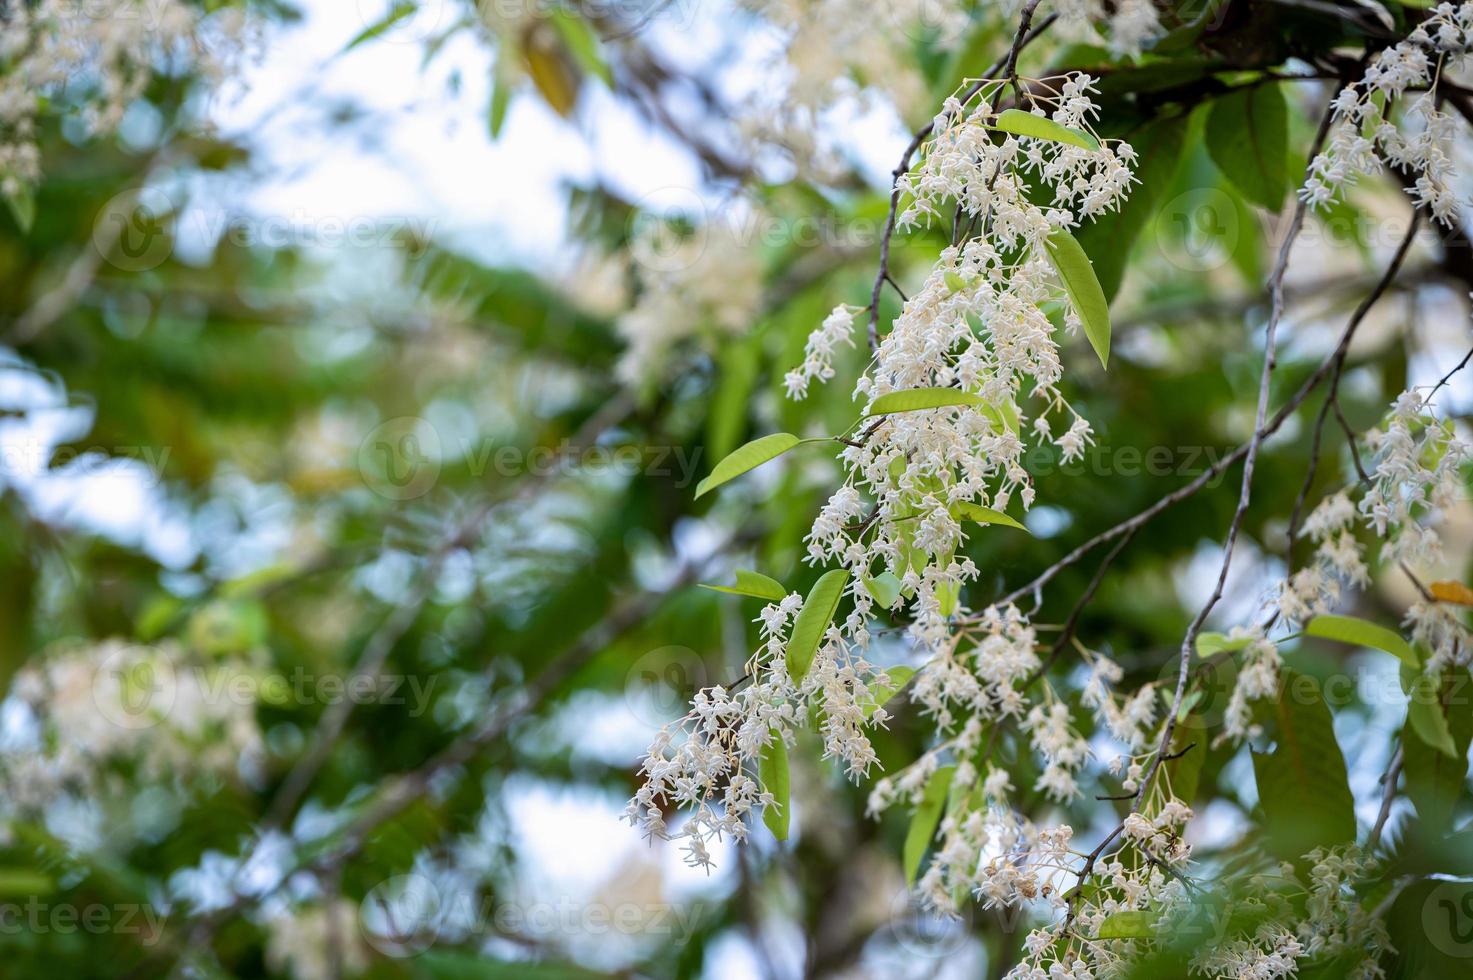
x,y
1388,796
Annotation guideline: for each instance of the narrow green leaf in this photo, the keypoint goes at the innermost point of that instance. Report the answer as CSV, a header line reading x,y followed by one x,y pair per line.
x,y
1302,784
1189,744
1108,240
984,515
1424,709
895,679
914,399
813,620
1139,924
1211,644
885,588
754,584
500,102
396,13
923,824
737,367
1085,294
948,594
1434,779
582,43
1021,123
772,769
22,206
1349,629
747,457
1247,137
25,883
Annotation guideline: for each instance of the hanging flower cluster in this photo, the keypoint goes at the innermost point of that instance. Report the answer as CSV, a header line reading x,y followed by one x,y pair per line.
x,y
979,324
1415,476
1126,26
979,327
702,283
1316,914
1419,139
99,58
704,762
84,717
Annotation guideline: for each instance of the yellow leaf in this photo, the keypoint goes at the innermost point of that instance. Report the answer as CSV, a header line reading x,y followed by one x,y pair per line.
x,y
1452,592
551,73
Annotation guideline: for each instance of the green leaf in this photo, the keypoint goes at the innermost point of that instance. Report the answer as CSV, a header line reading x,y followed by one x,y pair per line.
x,y
1349,629
885,588
1211,644
772,769
582,44
895,679
754,584
1434,779
1189,747
1139,924
747,457
1021,123
1424,709
914,399
22,206
813,620
984,515
396,13
1108,239
1247,137
736,372
927,816
500,102
1302,784
25,883
1085,294
947,596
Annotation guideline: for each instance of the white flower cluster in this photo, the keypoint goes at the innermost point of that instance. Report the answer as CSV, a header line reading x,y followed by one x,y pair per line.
x,y
1128,719
1126,26
1259,667
1415,476
707,281
1298,920
818,353
96,59
1316,588
980,674
707,760
1419,139
977,324
832,51
1143,874
95,710
317,942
